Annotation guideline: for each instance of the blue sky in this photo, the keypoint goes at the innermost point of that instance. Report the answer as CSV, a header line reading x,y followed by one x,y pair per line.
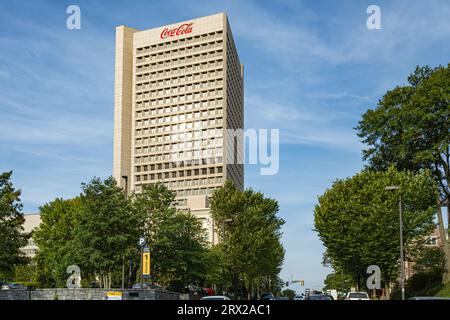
x,y
311,69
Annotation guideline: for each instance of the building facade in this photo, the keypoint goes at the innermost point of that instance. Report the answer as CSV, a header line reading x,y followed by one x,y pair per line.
x,y
178,103
32,221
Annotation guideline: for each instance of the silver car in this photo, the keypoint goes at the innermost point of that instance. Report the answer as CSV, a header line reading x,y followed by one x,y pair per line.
x,y
215,298
357,296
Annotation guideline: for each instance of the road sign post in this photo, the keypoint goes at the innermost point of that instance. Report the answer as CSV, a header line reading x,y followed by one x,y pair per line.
x,y
141,243
146,262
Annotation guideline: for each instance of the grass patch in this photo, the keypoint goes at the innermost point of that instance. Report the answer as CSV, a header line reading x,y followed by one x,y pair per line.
x,y
445,291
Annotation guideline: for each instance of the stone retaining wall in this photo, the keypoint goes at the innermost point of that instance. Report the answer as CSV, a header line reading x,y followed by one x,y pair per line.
x,y
85,294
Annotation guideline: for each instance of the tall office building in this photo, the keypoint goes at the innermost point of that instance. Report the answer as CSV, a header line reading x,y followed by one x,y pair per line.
x,y
178,93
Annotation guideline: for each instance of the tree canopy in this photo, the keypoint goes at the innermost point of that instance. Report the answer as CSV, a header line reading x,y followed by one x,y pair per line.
x,y
358,220
12,235
99,230
410,127
250,236
54,238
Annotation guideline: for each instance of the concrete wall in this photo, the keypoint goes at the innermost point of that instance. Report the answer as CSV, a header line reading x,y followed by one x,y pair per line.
x,y
85,294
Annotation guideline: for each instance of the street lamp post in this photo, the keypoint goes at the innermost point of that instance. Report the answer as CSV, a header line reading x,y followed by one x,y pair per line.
x,y
123,250
223,239
402,262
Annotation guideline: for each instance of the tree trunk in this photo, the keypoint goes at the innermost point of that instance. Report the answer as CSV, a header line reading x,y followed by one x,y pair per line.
x,y
387,293
235,284
257,289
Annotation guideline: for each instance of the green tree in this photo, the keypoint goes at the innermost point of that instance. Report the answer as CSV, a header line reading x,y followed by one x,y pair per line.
x,y
176,239
250,236
180,251
12,235
428,265
429,259
54,238
409,128
106,232
288,293
216,276
338,280
358,223
26,274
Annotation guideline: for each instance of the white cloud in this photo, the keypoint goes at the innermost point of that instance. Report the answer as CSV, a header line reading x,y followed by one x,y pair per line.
x,y
300,125
300,45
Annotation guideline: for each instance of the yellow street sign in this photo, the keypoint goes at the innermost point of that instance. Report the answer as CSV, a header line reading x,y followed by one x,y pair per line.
x,y
114,295
146,262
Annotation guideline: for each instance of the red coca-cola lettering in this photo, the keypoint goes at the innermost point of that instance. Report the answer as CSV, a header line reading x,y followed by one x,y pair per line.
x,y
182,29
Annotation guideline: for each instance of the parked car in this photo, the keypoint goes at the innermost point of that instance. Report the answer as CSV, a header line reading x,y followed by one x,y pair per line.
x,y
319,297
428,298
267,296
193,289
12,286
281,298
147,285
215,298
139,286
357,296
302,297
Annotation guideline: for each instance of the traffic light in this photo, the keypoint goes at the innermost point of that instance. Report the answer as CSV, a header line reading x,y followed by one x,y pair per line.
x,y
302,282
287,283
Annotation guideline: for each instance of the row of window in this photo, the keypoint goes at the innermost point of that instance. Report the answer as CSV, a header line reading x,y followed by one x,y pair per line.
x,y
207,103
194,182
178,79
186,143
175,165
188,192
178,62
184,69
181,52
168,157
200,98
178,89
182,174
189,124
212,134
195,192
178,42
180,98
181,127
182,153
203,106
179,82
212,113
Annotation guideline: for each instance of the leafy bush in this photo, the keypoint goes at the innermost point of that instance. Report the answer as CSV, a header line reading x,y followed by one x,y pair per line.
x,y
445,291
420,284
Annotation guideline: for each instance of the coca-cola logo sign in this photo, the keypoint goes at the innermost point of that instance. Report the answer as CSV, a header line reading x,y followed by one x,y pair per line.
x,y
185,28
